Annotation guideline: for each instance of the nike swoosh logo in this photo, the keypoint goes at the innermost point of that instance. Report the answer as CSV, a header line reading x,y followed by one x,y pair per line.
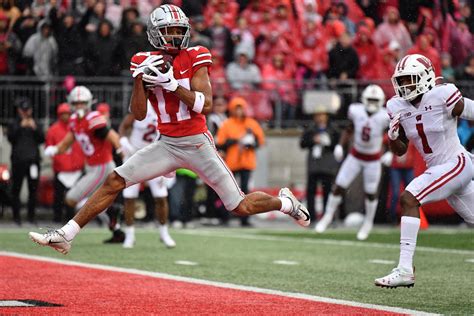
x,y
55,242
169,80
307,216
199,146
184,71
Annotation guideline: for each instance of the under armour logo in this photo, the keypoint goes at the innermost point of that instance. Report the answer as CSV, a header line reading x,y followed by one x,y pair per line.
x,y
428,108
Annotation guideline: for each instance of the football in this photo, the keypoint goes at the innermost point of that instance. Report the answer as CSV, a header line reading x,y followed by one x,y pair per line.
x,y
168,62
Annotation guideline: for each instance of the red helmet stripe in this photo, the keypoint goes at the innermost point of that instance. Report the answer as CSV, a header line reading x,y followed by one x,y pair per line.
x,y
402,63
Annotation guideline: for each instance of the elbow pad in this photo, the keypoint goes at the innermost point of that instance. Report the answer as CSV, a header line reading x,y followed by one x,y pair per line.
x,y
468,112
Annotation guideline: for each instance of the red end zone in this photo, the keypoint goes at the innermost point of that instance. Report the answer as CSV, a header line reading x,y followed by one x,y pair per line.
x,y
97,291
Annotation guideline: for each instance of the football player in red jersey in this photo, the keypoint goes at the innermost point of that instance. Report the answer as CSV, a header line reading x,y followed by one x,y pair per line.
x,y
90,130
181,95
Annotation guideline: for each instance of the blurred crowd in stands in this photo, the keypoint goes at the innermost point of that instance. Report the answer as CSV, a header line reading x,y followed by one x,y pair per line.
x,y
257,41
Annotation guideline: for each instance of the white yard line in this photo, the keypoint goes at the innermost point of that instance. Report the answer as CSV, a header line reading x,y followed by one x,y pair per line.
x,y
381,261
217,284
331,242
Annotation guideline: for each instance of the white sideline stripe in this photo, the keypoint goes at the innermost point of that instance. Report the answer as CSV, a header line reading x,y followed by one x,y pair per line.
x,y
217,284
470,260
380,261
331,242
186,263
13,303
286,262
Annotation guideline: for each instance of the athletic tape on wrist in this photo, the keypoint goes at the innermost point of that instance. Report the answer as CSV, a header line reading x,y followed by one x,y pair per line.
x,y
198,102
468,112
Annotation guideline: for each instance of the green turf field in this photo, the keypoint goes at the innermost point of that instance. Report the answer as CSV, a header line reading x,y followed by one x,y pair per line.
x,y
332,265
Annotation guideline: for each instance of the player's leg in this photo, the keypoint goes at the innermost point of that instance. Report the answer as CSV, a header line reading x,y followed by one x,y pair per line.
x,y
142,166
435,184
372,172
160,193
130,195
210,167
349,170
463,202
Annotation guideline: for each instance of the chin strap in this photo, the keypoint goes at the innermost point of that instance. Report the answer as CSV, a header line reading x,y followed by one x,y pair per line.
x,y
468,112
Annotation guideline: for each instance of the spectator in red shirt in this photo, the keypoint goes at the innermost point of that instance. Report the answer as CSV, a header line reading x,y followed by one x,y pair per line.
x,y
67,167
423,47
278,80
229,9
392,29
368,53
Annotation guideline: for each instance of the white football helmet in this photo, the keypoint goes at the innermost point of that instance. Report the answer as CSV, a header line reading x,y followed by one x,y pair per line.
x,y
160,19
422,74
373,98
80,94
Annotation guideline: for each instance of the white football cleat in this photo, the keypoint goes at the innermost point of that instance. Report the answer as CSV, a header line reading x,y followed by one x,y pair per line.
x,y
129,241
397,278
323,223
167,240
298,210
52,238
364,231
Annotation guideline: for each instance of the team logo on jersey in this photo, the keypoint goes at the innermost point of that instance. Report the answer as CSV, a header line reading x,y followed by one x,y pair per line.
x,y
428,108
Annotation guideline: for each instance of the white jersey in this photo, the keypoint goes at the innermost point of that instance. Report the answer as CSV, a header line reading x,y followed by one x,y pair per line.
x,y
144,131
368,129
431,126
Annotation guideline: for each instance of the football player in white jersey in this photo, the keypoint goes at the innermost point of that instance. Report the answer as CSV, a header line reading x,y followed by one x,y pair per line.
x,y
369,122
426,115
135,135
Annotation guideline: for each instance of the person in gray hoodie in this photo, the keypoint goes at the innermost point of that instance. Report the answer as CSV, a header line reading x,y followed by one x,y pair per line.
x,y
43,49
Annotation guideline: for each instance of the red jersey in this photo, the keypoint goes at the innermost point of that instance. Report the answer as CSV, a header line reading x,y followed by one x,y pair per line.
x,y
98,151
174,117
73,158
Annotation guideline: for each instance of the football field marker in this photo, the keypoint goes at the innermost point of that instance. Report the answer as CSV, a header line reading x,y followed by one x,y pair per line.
x,y
380,261
186,263
470,260
331,242
286,262
217,284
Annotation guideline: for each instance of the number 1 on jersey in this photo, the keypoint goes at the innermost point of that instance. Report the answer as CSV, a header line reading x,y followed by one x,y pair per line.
x,y
424,141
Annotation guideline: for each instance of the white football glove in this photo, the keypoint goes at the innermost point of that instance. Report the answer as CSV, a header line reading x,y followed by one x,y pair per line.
x,y
50,151
394,128
127,147
158,79
387,158
153,61
338,153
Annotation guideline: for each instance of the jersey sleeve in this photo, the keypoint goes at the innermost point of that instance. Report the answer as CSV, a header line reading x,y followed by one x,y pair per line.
x,y
352,112
96,121
450,95
391,110
137,59
200,57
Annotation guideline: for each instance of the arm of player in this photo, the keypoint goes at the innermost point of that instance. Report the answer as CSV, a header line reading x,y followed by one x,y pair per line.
x,y
343,140
61,147
139,99
124,132
113,138
464,108
199,98
399,146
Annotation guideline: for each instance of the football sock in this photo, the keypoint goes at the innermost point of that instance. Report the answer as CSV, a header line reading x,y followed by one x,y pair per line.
x,y
71,229
370,209
332,205
409,232
286,205
129,231
163,229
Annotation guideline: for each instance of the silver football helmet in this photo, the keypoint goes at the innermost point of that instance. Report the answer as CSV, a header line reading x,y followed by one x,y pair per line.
x,y
373,98
160,20
422,74
80,94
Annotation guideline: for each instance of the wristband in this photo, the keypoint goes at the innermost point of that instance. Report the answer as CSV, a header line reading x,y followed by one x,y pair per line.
x,y
199,99
468,112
